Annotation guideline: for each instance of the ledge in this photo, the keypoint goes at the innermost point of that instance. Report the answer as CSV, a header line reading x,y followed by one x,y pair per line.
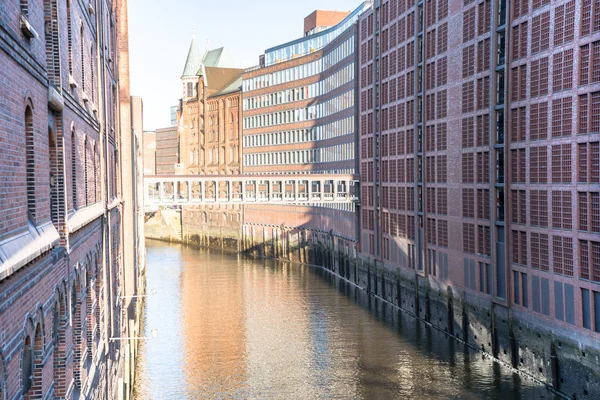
x,y
84,216
27,29
114,203
55,100
20,249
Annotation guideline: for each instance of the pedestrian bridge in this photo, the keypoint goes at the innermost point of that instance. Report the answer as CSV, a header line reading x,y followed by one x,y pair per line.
x,y
179,190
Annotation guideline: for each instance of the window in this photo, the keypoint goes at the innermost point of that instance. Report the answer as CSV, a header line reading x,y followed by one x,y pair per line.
x,y
92,73
563,255
70,37
96,167
190,93
82,52
2,391
27,366
30,163
590,19
74,169
25,8
517,288
589,260
85,170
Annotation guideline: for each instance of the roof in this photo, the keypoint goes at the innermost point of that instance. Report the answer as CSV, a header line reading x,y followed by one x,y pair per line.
x,y
234,86
211,58
222,80
218,58
194,60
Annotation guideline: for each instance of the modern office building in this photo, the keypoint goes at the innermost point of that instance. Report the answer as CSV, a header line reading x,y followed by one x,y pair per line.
x,y
299,117
479,161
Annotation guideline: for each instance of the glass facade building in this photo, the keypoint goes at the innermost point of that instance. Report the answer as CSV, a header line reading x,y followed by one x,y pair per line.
x,y
314,42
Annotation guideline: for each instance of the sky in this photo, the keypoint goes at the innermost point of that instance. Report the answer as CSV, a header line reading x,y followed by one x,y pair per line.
x,y
160,32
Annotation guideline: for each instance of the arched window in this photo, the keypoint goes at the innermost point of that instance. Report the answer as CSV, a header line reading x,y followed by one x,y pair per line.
x,y
30,162
60,350
76,331
73,303
74,168
27,366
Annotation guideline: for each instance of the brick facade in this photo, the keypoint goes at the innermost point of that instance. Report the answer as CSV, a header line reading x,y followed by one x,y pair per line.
x,y
209,131
479,150
60,209
167,150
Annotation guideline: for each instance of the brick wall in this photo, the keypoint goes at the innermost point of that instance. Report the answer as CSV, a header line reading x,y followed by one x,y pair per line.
x,y
444,190
57,297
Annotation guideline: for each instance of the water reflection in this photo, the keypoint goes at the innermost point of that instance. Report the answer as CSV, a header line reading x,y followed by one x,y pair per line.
x,y
233,327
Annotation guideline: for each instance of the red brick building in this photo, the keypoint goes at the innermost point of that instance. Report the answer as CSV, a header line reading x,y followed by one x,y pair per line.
x,y
167,150
209,131
321,20
480,168
61,270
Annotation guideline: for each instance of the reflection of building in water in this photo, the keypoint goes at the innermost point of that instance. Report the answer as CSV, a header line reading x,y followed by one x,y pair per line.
x,y
278,336
213,321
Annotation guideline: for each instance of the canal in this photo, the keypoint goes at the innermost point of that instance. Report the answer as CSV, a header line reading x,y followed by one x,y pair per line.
x,y
236,327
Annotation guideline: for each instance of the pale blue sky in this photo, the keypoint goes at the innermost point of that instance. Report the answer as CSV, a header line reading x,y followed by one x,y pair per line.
x,y
160,32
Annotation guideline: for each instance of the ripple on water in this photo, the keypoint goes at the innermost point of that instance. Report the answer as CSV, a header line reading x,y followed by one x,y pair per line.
x,y
236,328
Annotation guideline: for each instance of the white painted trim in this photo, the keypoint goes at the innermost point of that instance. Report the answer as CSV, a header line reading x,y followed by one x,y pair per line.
x,y
20,249
84,216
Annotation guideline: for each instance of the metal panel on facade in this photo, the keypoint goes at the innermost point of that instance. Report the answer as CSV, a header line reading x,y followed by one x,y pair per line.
x,y
569,304
558,301
585,306
545,296
535,292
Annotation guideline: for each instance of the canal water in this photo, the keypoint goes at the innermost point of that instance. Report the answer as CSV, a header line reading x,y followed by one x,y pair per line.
x,y
232,327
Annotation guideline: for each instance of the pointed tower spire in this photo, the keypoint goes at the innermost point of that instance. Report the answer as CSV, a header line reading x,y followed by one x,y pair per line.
x,y
194,59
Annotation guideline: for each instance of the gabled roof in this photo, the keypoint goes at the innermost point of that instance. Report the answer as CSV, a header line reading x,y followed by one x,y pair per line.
x,y
221,80
233,87
218,58
212,57
194,60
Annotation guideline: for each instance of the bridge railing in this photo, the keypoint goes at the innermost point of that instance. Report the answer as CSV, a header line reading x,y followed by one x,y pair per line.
x,y
250,189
